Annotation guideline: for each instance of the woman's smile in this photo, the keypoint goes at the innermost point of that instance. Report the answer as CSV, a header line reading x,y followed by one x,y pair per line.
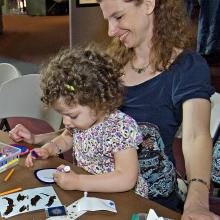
x,y
123,37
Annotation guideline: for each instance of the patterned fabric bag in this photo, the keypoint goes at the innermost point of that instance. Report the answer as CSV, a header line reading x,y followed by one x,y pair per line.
x,y
216,163
155,167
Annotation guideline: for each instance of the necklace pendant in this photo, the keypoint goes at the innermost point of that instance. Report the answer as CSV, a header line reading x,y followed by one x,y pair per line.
x,y
138,70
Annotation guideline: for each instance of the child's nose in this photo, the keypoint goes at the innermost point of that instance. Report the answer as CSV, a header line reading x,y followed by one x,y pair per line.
x,y
67,121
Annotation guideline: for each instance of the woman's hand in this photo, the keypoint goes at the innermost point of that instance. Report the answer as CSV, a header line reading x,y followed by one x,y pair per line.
x,y
66,181
21,133
40,153
197,204
198,213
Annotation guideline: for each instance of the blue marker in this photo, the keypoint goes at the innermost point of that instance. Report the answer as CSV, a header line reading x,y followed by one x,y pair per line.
x,y
34,154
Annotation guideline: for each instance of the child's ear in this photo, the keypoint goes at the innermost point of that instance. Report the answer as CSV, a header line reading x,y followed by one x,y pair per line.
x,y
149,5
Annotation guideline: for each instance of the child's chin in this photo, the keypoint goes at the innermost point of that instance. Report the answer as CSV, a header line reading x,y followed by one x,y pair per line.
x,y
82,128
71,130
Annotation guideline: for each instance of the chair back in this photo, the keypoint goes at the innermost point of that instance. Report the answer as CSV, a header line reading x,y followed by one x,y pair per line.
x,y
8,72
20,97
215,117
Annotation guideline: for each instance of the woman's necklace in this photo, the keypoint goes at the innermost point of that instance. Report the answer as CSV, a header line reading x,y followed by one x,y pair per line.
x,y
139,70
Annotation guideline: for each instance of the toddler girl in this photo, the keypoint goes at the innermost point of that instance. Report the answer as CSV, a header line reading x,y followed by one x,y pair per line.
x,y
85,87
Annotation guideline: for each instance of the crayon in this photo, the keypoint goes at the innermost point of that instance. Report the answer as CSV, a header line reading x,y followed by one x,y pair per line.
x,y
9,175
10,191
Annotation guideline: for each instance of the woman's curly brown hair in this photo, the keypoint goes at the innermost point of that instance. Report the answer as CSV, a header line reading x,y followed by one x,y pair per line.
x,y
94,76
170,32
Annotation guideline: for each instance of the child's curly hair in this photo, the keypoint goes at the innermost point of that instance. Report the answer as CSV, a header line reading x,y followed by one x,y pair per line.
x,y
83,76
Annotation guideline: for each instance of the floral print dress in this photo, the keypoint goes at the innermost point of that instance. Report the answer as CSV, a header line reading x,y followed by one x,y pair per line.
x,y
94,149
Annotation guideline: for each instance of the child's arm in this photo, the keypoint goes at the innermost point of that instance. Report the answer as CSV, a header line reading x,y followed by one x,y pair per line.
x,y
122,179
44,138
21,133
58,145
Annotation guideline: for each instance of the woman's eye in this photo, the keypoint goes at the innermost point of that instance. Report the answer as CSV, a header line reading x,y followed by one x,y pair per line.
x,y
119,17
73,117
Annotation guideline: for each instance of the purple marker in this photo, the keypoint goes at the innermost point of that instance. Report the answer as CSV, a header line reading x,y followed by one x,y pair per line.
x,y
65,169
34,154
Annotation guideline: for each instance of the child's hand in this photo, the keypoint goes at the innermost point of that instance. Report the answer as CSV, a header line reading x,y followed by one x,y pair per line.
x,y
64,180
37,153
21,133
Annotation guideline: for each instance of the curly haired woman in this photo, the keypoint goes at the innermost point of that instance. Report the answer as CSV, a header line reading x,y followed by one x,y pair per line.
x,y
166,85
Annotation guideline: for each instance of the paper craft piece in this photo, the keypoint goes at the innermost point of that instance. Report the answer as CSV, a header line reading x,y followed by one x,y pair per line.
x,y
56,211
153,216
85,204
45,175
72,212
95,204
28,200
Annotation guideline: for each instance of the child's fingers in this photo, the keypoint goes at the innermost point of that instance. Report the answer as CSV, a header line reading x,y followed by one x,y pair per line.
x,y
57,176
28,161
29,164
44,152
60,167
23,134
38,153
15,137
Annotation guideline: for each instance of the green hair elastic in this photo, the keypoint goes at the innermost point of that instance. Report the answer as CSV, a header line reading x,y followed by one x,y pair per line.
x,y
70,88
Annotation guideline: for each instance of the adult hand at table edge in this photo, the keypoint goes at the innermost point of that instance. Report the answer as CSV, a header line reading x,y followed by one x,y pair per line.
x,y
197,209
199,214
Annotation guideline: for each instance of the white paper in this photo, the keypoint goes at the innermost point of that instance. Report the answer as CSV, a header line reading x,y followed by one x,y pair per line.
x,y
85,204
28,200
96,204
153,216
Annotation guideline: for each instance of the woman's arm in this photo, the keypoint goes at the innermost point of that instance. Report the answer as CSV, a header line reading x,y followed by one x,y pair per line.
x,y
197,150
122,179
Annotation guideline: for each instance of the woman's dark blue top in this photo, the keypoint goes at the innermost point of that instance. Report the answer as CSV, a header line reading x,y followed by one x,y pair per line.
x,y
159,100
